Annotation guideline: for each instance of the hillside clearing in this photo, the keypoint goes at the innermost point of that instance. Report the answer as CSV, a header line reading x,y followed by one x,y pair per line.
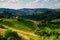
x,y
24,34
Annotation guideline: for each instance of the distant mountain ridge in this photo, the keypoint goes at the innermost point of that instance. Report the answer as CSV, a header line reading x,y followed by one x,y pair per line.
x,y
24,11
36,14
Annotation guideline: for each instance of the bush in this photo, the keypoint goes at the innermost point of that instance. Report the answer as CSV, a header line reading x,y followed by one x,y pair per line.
x,y
44,32
2,27
10,35
2,38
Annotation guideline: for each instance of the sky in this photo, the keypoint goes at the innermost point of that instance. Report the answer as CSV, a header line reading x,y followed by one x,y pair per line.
x,y
18,4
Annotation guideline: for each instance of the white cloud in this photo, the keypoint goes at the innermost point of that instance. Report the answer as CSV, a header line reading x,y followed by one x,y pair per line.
x,y
9,5
11,0
15,0
47,0
30,4
51,0
36,1
57,0
1,0
57,5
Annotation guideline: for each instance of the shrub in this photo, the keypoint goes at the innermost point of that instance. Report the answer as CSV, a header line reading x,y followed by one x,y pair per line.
x,y
2,27
2,38
10,35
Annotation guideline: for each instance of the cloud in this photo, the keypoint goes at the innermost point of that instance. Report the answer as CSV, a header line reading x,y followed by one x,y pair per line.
x,y
11,1
30,4
9,5
57,0
57,5
47,0
15,0
1,0
36,1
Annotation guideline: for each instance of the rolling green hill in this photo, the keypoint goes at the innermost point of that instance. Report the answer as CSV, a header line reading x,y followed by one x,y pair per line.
x,y
37,26
26,27
21,24
23,27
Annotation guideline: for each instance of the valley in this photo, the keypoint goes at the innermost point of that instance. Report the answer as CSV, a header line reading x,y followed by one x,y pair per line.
x,y
30,24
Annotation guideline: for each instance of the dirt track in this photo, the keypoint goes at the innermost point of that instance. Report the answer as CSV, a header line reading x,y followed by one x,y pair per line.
x,y
24,34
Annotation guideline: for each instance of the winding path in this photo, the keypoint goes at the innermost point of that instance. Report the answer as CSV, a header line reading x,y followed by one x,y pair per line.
x,y
24,34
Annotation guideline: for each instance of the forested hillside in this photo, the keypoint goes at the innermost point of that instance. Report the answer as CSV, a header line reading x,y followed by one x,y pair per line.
x,y
30,24
48,15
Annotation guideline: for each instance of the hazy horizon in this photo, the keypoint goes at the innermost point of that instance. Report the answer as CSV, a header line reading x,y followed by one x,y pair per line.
x,y
19,4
